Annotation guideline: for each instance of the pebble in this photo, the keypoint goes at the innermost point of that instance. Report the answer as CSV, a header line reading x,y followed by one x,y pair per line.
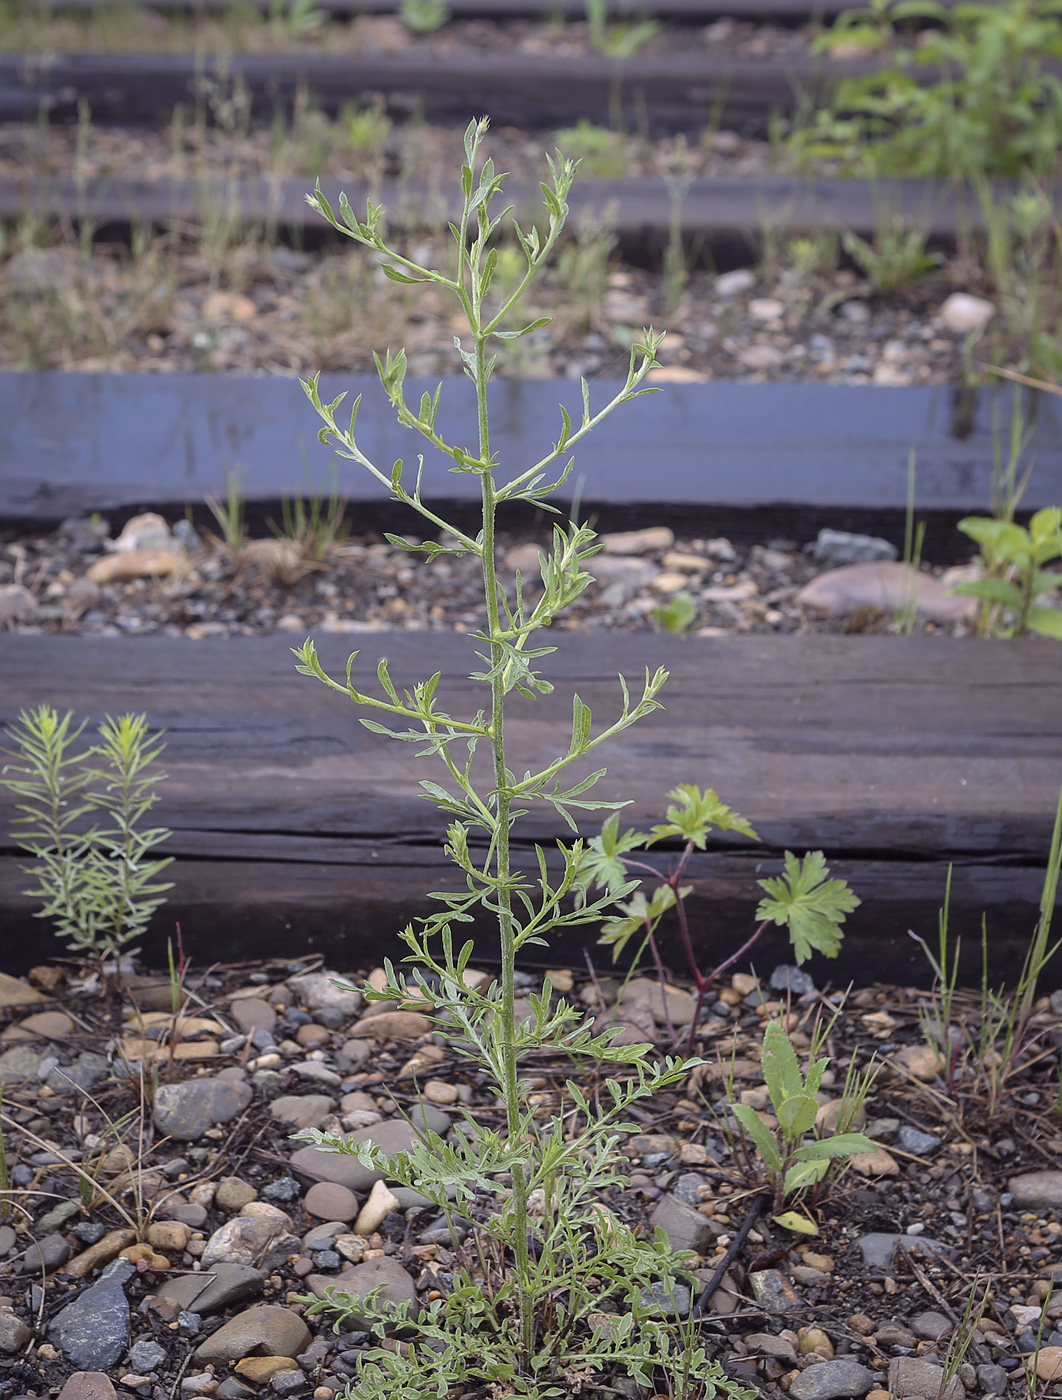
x,y
886,587
45,1025
136,563
327,1200
931,1326
14,1334
388,1275
224,1284
313,1036
793,980
638,541
774,1291
19,1064
260,1232
1049,1364
46,1255
831,1380
684,1227
836,548
391,1136
766,309
146,1355
233,1194
316,991
916,1141
769,1345
87,1385
17,604
187,1110
260,1370
993,1379
732,284
1036,1190
285,1188
93,1331
15,992
314,1069
266,1325
876,1163
168,1235
302,1110
913,1378
252,1014
439,1092
56,1218
893,1335
376,1209
920,1060
964,313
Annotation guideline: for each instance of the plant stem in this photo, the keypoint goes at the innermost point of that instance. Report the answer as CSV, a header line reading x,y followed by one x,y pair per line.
x,y
506,931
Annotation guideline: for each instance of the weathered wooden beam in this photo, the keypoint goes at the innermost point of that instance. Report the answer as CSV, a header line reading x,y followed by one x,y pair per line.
x,y
897,756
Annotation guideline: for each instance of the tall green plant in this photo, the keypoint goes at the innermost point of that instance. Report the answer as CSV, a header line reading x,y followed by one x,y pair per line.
x,y
556,1286
80,815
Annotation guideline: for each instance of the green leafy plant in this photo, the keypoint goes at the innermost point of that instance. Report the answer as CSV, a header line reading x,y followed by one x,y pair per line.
x,y
1013,556
677,615
312,524
802,898
975,94
423,16
620,39
231,513
896,258
553,1286
80,817
790,1161
297,18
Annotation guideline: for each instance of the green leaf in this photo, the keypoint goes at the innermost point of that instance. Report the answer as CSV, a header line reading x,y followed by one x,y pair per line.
x,y
694,812
1047,621
796,1116
840,1145
781,1070
995,590
802,1175
812,905
797,1222
760,1134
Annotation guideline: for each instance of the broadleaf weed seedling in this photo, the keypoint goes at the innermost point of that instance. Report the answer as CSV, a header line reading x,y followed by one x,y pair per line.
x,y
553,1285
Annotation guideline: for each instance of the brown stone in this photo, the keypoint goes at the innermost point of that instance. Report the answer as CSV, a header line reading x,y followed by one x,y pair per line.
x,y
252,1014
233,1194
391,1025
264,1330
1049,1364
169,1234
136,563
312,1035
302,1110
100,1253
87,1385
330,1201
16,993
260,1370
44,1025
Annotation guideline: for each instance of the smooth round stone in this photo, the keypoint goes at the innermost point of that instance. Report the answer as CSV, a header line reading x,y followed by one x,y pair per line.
x,y
45,1025
265,1326
328,1200
839,1379
233,1194
302,1110
252,1014
313,1035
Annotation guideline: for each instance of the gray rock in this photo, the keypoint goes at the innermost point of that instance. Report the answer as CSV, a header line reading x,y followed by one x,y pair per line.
x,y
18,1064
774,1291
185,1111
1037,1190
913,1378
46,1254
56,1218
315,991
285,1188
92,1332
7,1239
302,1110
397,1287
793,980
17,604
253,1014
146,1355
684,1227
233,1389
670,1298
188,1213
86,1072
832,1380
879,1250
930,1326
14,1334
392,1135
264,1330
916,1141
838,547
993,1379
768,1345
224,1284
687,1188
288,1383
